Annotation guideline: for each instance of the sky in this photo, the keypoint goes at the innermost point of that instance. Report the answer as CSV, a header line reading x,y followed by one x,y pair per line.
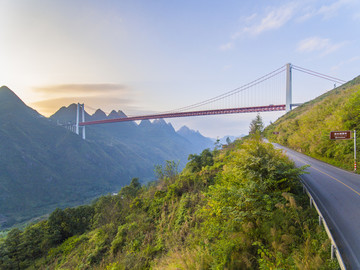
x,y
158,55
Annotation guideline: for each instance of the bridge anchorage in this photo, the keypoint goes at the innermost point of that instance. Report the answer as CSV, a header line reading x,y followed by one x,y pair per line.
x,y
252,97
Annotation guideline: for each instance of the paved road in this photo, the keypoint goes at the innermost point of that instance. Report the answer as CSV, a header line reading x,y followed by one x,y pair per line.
x,y
337,194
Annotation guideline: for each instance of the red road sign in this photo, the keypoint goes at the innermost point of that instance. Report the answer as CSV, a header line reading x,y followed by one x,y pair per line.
x,y
340,135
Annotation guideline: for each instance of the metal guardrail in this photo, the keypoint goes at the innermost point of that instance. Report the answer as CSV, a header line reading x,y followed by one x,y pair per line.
x,y
334,248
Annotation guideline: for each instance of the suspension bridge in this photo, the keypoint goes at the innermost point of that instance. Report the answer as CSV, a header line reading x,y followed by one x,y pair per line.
x,y
269,93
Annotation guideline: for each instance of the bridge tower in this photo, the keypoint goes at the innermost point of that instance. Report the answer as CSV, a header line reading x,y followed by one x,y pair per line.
x,y
83,120
288,87
77,120
78,107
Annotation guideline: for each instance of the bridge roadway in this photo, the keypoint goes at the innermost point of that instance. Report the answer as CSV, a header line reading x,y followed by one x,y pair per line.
x,y
268,108
337,194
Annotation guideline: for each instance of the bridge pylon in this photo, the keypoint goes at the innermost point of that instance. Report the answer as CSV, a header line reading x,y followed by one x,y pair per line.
x,y
78,107
288,87
77,120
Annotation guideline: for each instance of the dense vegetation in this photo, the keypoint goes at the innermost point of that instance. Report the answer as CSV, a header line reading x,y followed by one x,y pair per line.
x,y
307,128
240,207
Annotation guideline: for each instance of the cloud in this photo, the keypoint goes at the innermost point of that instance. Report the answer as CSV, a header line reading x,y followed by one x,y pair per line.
x,y
346,62
76,89
227,46
50,106
307,13
105,96
273,19
325,11
255,24
313,44
356,16
328,11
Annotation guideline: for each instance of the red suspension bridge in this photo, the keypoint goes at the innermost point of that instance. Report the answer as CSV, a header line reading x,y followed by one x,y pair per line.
x,y
265,94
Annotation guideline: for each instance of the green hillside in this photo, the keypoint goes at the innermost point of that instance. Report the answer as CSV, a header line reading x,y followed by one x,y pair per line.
x,y
43,166
307,128
241,207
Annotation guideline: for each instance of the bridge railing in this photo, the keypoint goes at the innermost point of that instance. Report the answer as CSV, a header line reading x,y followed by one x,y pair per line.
x,y
334,247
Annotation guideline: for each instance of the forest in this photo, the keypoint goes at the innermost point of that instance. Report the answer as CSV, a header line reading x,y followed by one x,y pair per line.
x,y
239,206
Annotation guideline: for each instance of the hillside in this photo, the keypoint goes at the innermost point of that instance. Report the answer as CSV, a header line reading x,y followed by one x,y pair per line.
x,y
307,128
44,166
241,207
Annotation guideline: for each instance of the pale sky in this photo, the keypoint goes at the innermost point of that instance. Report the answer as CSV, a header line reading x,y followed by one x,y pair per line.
x,y
152,56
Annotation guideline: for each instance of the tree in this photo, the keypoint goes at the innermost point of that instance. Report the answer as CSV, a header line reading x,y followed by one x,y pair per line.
x,y
131,190
197,162
256,125
169,172
66,223
12,243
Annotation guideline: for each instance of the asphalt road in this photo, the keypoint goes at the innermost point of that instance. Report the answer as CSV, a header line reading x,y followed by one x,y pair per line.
x,y
337,194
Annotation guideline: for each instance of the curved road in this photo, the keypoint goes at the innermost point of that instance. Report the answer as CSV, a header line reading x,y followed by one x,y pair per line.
x,y
337,194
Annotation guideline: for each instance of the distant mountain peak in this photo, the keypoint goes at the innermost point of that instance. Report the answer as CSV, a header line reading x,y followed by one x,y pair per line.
x,y
113,114
121,114
195,137
6,92
4,87
159,122
98,115
145,123
10,102
99,111
184,130
72,106
116,114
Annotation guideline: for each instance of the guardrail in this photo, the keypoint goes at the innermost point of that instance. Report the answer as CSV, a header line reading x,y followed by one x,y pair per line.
x,y
334,248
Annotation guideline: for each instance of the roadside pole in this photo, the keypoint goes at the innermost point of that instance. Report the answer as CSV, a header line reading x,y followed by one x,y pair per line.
x,y
355,150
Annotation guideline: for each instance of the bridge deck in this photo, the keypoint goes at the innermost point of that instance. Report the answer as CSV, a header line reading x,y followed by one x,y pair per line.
x,y
269,108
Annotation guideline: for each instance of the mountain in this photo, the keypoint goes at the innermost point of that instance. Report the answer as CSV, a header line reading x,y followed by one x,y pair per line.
x,y
155,141
98,115
196,138
307,128
44,165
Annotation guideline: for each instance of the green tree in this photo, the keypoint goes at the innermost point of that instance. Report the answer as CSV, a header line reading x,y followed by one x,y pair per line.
x,y
14,253
170,171
256,125
71,221
132,189
197,162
